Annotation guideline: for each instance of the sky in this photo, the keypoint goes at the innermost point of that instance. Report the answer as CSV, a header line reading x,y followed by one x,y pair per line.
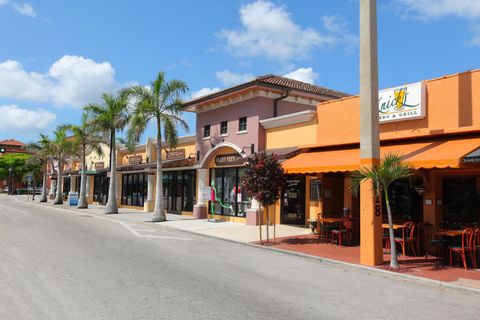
x,y
57,56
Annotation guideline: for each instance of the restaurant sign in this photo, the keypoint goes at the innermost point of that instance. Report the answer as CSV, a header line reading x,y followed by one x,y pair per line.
x,y
402,103
99,165
175,154
229,159
134,159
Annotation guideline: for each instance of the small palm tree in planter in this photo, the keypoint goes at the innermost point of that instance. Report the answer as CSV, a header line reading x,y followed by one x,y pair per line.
x,y
263,179
390,169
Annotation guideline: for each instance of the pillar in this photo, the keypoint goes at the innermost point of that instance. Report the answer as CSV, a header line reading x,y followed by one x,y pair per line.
x,y
370,205
150,203
200,208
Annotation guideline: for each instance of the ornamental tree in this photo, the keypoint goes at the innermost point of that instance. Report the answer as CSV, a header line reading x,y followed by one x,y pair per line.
x,y
263,180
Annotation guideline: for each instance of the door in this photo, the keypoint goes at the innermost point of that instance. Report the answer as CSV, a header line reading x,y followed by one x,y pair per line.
x,y
293,201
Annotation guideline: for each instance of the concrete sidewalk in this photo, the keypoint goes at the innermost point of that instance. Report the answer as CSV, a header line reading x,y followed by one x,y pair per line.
x,y
232,231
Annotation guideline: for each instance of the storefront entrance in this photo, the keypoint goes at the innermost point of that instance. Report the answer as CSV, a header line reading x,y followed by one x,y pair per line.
x,y
134,189
100,188
179,190
293,201
234,200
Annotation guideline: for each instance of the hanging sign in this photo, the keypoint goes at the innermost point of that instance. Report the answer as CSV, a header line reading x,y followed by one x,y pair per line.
x,y
402,103
99,165
229,159
175,154
134,159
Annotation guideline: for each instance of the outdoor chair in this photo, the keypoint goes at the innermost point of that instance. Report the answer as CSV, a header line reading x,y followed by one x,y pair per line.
x,y
468,246
345,231
430,242
323,228
408,237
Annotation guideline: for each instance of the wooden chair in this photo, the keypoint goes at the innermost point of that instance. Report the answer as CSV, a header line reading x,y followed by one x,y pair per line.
x,y
345,231
323,229
408,237
468,246
430,242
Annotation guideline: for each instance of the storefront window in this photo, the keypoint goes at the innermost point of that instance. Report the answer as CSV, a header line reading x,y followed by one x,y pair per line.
x,y
461,198
179,190
405,202
78,181
66,184
134,189
100,188
230,191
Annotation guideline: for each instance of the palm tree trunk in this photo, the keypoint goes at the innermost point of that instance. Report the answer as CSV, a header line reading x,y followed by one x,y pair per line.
x,y
43,197
112,206
393,248
159,210
82,199
59,196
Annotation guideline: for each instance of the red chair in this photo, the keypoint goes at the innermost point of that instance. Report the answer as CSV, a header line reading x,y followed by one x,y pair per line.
x,y
408,237
323,229
469,236
344,232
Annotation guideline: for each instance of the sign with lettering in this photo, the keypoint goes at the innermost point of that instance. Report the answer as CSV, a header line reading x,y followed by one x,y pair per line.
x,y
175,154
402,103
229,159
99,165
134,159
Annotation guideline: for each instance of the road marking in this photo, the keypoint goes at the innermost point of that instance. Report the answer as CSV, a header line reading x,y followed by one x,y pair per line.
x,y
124,224
21,211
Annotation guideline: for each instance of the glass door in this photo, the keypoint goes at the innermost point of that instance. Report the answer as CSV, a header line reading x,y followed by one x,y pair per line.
x,y
293,201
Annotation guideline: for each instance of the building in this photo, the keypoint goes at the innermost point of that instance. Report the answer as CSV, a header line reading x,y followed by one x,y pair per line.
x,y
13,146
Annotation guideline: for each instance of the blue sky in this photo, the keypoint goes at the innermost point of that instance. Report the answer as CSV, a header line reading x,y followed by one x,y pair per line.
x,y
56,56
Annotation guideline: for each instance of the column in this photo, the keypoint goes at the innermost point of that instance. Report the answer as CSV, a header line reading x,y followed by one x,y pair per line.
x,y
370,205
53,185
200,208
150,203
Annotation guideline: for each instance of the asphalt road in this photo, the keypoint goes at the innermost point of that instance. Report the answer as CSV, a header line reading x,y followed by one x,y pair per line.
x,y
58,264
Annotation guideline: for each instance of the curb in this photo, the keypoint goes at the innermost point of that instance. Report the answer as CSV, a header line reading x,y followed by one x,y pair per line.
x,y
354,267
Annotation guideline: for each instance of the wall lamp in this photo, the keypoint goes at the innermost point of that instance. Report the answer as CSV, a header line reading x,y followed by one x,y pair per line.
x,y
252,150
217,140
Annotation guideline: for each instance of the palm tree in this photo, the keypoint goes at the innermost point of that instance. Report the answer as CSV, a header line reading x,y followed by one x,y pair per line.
x,y
86,135
161,102
43,152
62,146
112,117
390,169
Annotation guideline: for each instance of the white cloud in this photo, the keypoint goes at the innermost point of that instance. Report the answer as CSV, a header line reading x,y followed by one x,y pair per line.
x,y
3,2
303,74
203,92
71,80
15,118
228,78
434,9
25,9
339,27
268,30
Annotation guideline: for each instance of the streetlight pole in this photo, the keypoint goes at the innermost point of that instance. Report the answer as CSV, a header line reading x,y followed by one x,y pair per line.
x,y
10,191
370,205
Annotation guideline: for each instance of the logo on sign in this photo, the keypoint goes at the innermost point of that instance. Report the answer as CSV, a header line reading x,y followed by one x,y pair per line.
x,y
401,103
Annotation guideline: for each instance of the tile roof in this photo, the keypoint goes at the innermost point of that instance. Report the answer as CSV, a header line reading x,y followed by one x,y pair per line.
x,y
271,80
12,142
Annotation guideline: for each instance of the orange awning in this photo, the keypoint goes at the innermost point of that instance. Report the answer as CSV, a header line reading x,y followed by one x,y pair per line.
x,y
432,154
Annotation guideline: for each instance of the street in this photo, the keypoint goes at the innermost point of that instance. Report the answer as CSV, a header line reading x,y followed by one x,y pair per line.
x,y
60,264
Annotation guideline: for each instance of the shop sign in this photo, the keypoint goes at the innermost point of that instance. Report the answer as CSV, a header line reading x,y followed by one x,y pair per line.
x,y
402,103
175,154
73,198
229,159
99,165
134,159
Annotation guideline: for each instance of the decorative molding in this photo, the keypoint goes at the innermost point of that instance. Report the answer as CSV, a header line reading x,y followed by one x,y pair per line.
x,y
289,119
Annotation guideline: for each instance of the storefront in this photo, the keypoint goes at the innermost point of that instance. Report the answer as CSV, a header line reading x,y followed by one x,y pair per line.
x,y
100,188
228,183
134,189
179,190
293,200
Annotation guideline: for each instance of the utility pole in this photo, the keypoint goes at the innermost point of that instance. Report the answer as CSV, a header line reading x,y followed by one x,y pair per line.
x,y
370,205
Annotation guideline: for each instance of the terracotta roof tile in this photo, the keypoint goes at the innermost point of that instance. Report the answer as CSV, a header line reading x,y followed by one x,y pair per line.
x,y
12,142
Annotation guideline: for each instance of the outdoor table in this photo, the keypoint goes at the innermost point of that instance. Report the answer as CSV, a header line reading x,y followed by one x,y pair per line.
x,y
331,220
449,232
395,226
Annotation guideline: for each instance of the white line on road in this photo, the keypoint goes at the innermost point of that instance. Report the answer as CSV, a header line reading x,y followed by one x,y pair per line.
x,y
17,210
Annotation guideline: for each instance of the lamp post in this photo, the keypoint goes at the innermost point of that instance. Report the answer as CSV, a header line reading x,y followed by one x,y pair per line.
x,y
370,205
10,181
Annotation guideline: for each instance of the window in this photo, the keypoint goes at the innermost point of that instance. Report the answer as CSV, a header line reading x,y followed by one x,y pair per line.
x,y
242,124
206,131
228,182
223,127
134,189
